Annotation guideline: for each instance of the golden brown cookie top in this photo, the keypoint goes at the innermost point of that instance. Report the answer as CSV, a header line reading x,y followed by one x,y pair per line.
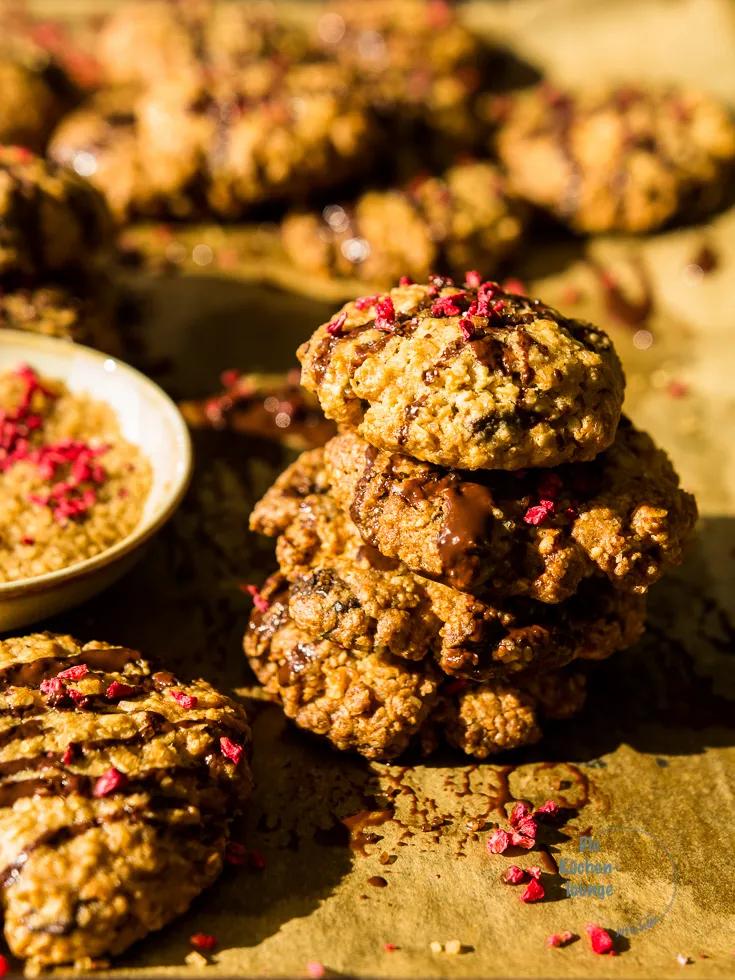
x,y
117,787
467,376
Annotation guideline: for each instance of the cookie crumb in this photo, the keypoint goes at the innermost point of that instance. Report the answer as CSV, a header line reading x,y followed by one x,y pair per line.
x,y
453,947
436,947
681,959
195,959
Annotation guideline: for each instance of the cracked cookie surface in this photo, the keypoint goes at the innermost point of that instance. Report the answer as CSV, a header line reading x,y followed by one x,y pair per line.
x,y
116,795
378,705
539,534
472,377
345,591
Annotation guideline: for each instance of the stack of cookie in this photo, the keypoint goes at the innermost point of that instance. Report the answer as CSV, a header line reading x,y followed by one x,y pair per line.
x,y
484,523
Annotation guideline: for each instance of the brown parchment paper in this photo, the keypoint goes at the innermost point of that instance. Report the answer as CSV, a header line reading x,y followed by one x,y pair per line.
x,y
648,767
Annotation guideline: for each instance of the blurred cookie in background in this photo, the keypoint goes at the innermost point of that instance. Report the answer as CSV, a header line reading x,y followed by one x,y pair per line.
x,y
622,159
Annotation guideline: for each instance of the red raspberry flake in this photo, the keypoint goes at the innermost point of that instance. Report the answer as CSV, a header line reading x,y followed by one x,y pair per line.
x,y
405,281
515,286
571,295
385,318
390,947
53,688
677,389
80,700
514,875
527,826
533,892
260,603
75,673
202,940
523,841
467,328
473,279
315,969
519,812
231,750
108,782
600,939
498,842
561,938
537,514
535,872
365,302
229,378
549,809
69,753
335,327
4,965
116,691
447,305
184,700
256,860
236,854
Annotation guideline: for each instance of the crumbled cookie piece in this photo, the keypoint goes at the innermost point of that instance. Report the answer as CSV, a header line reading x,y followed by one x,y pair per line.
x,y
115,795
623,159
468,376
537,534
57,312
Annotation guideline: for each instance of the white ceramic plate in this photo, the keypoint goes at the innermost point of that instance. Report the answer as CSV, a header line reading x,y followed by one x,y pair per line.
x,y
149,419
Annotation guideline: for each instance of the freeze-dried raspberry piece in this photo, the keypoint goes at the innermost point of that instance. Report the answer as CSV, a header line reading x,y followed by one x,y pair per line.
x,y
231,750
548,809
202,940
335,326
260,603
600,939
533,892
52,689
519,813
498,841
385,314
109,781
75,673
561,938
539,512
514,875
183,699
116,691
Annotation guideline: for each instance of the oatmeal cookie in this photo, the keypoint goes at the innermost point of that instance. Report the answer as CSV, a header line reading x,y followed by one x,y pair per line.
x,y
536,534
416,61
50,219
345,591
118,786
56,311
624,159
469,376
100,142
145,42
226,149
450,223
376,704
269,406
372,704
